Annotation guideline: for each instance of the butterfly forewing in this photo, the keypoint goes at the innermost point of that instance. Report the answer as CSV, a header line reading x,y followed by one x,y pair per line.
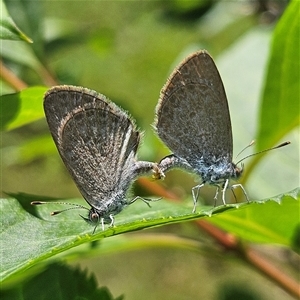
x,y
95,139
193,116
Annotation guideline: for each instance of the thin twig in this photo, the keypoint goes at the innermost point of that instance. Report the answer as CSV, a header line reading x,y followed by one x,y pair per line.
x,y
253,257
250,255
8,76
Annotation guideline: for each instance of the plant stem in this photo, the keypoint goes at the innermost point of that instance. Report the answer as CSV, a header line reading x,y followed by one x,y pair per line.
x,y
252,257
8,76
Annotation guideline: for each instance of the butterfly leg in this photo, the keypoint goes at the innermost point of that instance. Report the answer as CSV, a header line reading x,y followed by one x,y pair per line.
x,y
225,186
216,195
145,200
244,191
195,193
112,220
234,195
102,223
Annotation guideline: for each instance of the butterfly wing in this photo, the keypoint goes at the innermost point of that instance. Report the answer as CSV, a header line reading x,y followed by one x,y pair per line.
x,y
96,140
192,116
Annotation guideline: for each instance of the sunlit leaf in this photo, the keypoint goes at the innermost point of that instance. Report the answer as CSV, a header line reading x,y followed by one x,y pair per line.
x,y
273,221
8,29
279,111
44,236
21,108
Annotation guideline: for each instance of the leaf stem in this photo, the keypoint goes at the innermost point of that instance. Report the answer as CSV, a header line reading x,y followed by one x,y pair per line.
x,y
252,256
11,78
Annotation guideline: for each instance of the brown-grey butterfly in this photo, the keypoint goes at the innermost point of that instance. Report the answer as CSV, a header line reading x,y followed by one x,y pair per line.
x,y
97,142
193,120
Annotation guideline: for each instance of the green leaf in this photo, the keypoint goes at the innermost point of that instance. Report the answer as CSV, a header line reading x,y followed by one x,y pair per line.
x,y
59,280
8,29
21,108
30,16
274,221
44,236
279,112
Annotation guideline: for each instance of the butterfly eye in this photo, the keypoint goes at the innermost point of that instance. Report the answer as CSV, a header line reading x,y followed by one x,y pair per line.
x,y
94,217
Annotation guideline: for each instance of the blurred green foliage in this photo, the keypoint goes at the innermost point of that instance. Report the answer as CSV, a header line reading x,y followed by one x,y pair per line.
x,y
126,50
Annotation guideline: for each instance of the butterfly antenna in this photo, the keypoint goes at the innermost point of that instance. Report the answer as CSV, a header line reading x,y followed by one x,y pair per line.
x,y
53,213
266,150
250,144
